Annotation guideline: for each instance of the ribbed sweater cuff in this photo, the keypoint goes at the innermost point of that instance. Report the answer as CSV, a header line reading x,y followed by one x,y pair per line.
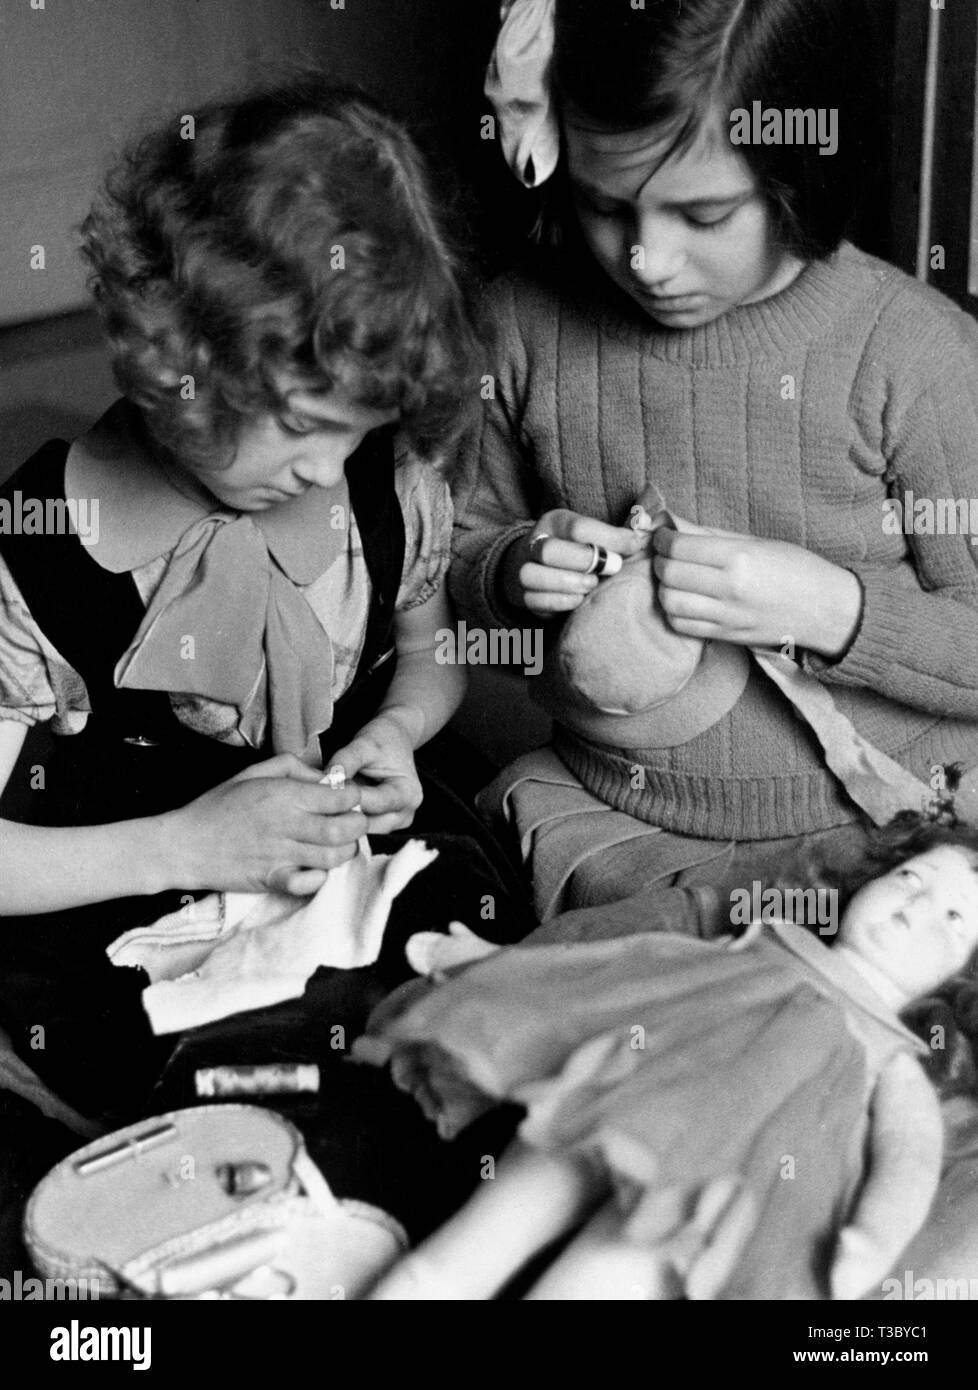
x,y
485,590
881,639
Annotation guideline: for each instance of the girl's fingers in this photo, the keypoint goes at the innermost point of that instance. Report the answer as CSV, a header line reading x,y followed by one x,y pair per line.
x,y
319,858
690,528
315,858
302,883
546,605
282,765
308,870
390,824
588,530
352,758
707,632
698,550
688,577
331,830
698,608
548,579
396,793
564,555
320,800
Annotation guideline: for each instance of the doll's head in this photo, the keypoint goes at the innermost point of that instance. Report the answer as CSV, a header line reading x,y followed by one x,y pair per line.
x,y
885,880
273,255
945,1017
916,925
678,198
900,907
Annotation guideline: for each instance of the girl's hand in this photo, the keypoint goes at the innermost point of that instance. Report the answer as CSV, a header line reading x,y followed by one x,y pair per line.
x,y
274,826
551,578
381,758
757,593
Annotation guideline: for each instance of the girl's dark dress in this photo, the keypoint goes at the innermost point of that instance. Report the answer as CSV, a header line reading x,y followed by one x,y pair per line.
x,y
134,759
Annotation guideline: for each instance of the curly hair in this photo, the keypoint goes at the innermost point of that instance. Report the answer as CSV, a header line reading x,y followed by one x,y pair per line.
x,y
294,230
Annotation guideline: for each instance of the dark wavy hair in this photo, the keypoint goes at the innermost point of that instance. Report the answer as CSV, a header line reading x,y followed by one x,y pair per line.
x,y
296,230
673,64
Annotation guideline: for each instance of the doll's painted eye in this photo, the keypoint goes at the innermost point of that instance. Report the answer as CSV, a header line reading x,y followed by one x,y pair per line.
x,y
909,876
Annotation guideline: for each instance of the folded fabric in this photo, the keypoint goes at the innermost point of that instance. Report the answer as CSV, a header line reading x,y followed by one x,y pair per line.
x,y
875,782
232,952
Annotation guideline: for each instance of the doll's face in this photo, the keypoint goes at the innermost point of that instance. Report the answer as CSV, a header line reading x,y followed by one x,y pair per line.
x,y
917,924
281,456
687,241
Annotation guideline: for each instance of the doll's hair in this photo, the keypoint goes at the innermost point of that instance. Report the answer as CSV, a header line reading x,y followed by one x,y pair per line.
x,y
293,230
947,1018
678,65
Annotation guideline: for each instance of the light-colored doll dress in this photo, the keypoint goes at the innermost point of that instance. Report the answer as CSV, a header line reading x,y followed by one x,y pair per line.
x,y
672,1061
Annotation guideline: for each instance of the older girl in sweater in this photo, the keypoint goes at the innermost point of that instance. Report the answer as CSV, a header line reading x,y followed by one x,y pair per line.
x,y
704,328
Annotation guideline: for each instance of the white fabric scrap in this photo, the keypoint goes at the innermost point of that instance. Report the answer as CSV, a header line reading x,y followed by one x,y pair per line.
x,y
231,952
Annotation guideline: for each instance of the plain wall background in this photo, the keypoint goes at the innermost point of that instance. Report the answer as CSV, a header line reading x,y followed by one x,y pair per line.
x,y
78,76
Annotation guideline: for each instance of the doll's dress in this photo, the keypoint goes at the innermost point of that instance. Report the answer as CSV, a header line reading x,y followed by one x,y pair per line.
x,y
684,1058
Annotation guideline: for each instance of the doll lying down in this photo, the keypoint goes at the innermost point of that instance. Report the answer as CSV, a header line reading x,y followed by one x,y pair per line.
x,y
754,1109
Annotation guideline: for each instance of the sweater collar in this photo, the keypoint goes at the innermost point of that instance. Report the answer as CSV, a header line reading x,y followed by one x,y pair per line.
x,y
144,509
806,310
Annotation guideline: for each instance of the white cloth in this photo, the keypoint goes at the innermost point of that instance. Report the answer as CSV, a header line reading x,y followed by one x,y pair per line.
x,y
232,952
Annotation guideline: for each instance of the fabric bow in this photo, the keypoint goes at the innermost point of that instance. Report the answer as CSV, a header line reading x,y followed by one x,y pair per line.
x,y
518,85
222,620
228,621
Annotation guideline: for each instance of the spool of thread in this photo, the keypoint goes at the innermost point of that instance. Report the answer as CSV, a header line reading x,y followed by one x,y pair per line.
x,y
278,1078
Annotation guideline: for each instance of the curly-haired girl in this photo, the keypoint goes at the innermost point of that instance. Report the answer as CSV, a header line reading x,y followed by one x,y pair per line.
x,y
264,583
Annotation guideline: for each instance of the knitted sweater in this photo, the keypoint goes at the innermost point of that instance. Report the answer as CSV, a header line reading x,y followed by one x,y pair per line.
x,y
795,418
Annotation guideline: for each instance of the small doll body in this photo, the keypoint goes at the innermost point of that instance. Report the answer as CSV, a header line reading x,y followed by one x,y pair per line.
x,y
755,1106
